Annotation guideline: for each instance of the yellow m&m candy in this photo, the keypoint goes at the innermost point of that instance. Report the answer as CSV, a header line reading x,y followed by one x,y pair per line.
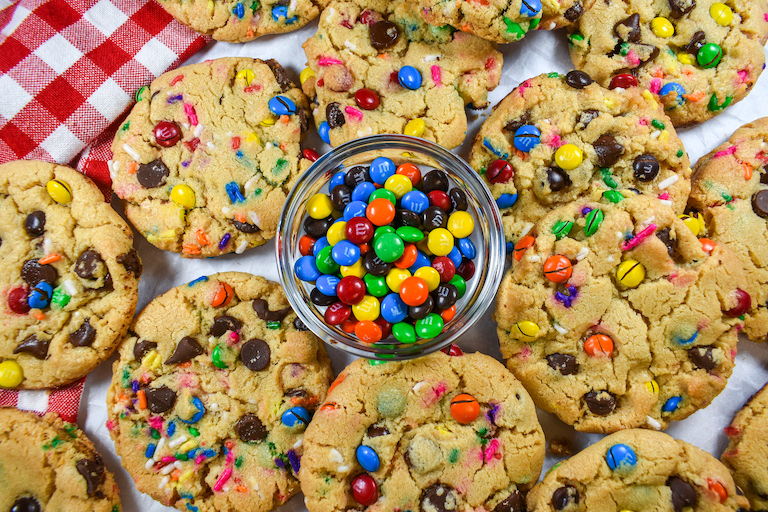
x,y
630,273
183,195
461,224
568,157
367,309
430,276
721,13
440,241
59,191
247,75
399,185
652,386
305,74
414,127
691,223
525,330
337,232
11,374
319,206
662,27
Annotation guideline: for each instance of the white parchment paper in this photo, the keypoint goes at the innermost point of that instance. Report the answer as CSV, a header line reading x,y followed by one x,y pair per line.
x,y
539,52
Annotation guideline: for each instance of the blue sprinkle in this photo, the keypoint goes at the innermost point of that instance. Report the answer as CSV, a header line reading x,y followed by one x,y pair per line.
x,y
200,279
185,163
135,386
493,150
209,453
193,453
239,10
233,190
224,241
198,415
294,460
239,154
672,404
171,428
279,463
506,200
192,507
281,11
175,99
186,496
510,247
150,450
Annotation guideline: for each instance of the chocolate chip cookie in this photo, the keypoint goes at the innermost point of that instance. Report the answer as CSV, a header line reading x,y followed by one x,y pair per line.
x,y
438,433
696,57
70,276
210,397
617,316
208,154
729,189
376,67
49,464
638,470
557,139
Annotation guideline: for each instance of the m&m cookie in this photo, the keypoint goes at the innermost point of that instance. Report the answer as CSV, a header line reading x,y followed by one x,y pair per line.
x,y
616,316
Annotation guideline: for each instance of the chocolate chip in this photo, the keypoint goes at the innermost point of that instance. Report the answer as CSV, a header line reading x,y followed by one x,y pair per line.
x,y
88,264
586,117
665,237
35,224
334,116
245,227
681,7
646,167
383,34
578,79
142,348
153,174
131,262
574,13
696,42
702,358
26,504
683,493
93,472
564,496
628,29
513,125
84,336
249,428
261,308
296,393
377,430
608,150
187,348
558,179
303,119
760,203
34,346
564,363
280,75
764,176
439,498
34,273
512,503
225,323
299,325
160,399
601,403
255,354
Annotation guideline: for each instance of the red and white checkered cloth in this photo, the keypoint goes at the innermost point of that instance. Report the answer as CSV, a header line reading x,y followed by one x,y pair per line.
x,y
70,69
64,401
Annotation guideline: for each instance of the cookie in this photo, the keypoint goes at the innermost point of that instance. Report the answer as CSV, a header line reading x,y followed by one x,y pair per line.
x,y
375,67
638,470
70,276
616,316
695,57
208,154
747,453
730,189
437,433
557,139
211,394
49,464
242,21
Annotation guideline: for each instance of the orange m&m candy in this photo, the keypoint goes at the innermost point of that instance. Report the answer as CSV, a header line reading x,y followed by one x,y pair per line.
x,y
306,244
717,488
707,245
464,408
380,211
222,296
414,291
522,246
410,253
368,331
410,171
599,345
558,268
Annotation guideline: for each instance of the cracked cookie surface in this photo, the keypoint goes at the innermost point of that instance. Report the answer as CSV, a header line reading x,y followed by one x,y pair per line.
x,y
624,142
416,79
695,56
730,188
637,470
615,317
211,394
70,276
49,464
747,454
446,434
208,154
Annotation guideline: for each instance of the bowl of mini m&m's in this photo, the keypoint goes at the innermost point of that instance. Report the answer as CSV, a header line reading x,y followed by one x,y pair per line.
x,y
390,247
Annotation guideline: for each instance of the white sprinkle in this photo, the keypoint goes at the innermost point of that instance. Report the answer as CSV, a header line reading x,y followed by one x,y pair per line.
x,y
160,445
526,228
552,25
164,482
342,469
331,11
268,145
559,328
609,259
418,386
242,247
653,423
315,112
213,406
254,218
655,134
292,7
298,444
167,469
534,258
47,246
111,167
582,254
668,182
365,131
431,58
665,202
177,464
148,465
226,209
250,184
335,456
199,130
350,45
619,235
131,152
178,441
185,125
211,145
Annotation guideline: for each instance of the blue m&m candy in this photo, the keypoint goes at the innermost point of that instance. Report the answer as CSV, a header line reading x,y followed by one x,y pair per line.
x,y
354,209
281,11
673,87
467,248
409,77
323,130
381,169
672,404
295,416
455,256
530,8
327,284
40,295
337,179
282,106
345,253
527,137
421,261
363,191
393,309
367,458
321,244
506,200
621,457
415,201
306,269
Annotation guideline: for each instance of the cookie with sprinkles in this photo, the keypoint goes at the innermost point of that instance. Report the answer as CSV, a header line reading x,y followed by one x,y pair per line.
x,y
208,154
638,470
561,138
746,454
729,204
240,21
49,464
438,433
616,316
695,56
375,67
211,394
70,276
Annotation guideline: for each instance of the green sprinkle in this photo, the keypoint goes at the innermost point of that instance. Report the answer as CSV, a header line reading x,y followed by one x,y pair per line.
x,y
553,75
562,228
194,431
140,93
624,49
608,179
126,378
126,126
273,325
154,433
482,171
534,24
680,153
181,456
56,442
257,192
280,166
728,198
70,429
454,456
613,196
657,124
115,508
577,37
553,468
255,5
514,30
239,461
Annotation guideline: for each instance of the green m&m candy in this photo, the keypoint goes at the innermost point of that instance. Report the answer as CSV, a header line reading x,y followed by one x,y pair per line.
x,y
460,284
562,228
383,193
410,234
404,333
325,262
709,55
594,219
429,326
388,247
376,285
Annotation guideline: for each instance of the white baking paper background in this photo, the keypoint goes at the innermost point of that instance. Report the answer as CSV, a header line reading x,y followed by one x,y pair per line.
x,y
540,52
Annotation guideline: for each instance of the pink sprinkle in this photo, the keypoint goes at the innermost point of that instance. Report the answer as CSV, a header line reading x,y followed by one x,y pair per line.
x,y
177,79
765,17
233,338
524,353
490,450
328,61
191,115
111,425
731,150
437,75
743,75
664,196
222,479
230,457
638,238
156,422
643,121
437,392
655,85
632,59
524,86
553,140
354,113
200,458
168,460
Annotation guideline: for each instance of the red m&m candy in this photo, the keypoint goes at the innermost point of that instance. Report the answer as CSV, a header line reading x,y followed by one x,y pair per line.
x,y
499,172
366,99
350,290
364,490
359,230
445,268
167,134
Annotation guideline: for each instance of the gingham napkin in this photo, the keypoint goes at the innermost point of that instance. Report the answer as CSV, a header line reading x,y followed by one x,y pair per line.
x,y
65,401
70,69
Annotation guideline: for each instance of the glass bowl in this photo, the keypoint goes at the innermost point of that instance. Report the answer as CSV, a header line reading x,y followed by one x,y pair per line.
x,y
488,238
